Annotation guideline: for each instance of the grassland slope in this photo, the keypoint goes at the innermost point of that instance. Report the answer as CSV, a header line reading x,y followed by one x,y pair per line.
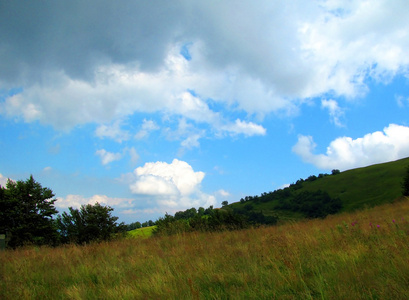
x,y
356,188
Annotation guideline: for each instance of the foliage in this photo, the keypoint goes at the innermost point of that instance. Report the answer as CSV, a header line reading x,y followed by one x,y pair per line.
x,y
405,183
26,213
335,172
133,226
204,220
89,223
312,204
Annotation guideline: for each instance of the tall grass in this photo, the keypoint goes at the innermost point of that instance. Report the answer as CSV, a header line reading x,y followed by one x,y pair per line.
x,y
361,255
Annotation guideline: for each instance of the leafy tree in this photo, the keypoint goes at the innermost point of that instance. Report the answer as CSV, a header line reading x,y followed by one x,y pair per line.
x,y
225,203
134,225
335,172
26,213
201,211
89,223
405,183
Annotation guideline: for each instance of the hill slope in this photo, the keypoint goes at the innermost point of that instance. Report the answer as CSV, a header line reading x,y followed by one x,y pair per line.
x,y
356,188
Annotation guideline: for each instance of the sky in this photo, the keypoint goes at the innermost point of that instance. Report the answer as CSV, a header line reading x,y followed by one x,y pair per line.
x,y
153,107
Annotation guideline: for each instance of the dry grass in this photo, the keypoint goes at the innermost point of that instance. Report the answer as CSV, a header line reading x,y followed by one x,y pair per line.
x,y
342,257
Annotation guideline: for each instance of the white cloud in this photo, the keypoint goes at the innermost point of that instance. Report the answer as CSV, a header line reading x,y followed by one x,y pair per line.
x,y
147,127
113,131
76,201
191,141
223,193
108,157
243,127
172,186
334,110
346,153
136,66
47,169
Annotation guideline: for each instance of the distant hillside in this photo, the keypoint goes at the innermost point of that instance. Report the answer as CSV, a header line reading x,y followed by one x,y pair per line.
x,y
357,188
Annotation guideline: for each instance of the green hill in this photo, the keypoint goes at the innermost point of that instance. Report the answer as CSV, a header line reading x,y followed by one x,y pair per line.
x,y
357,188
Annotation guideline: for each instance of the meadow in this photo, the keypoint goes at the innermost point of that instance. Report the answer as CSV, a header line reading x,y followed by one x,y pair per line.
x,y
358,255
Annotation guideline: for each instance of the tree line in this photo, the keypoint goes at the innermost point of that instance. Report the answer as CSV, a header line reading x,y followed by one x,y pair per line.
x,y
27,217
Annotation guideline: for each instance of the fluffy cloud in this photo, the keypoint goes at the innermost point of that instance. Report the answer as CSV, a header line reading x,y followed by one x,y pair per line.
x,y
173,186
346,153
100,62
108,157
76,201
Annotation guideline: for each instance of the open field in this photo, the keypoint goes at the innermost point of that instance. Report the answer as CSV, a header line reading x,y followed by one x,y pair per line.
x,y
360,255
143,232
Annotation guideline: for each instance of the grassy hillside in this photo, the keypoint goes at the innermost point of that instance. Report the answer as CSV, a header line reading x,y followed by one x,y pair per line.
x,y
143,232
369,186
360,255
357,188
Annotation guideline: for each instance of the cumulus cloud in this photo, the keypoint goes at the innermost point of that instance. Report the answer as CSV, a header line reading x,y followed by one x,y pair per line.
x,y
108,157
98,62
76,201
346,153
334,110
173,186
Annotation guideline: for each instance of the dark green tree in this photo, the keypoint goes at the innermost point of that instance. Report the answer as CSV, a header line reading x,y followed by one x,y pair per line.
x,y
225,203
405,183
89,223
26,213
335,172
134,225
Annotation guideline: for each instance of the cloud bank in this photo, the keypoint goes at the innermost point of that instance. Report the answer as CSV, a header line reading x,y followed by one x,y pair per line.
x,y
347,153
99,61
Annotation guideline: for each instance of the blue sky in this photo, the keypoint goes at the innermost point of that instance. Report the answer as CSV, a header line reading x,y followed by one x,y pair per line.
x,y
158,107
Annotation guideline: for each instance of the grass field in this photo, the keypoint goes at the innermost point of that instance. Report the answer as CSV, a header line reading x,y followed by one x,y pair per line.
x,y
359,255
143,232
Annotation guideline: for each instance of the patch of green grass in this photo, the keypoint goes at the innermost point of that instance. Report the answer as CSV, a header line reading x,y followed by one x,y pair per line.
x,y
143,232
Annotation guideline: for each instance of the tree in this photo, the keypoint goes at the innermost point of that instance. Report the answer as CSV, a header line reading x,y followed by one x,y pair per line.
x,y
134,225
225,203
335,172
26,213
89,223
405,183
